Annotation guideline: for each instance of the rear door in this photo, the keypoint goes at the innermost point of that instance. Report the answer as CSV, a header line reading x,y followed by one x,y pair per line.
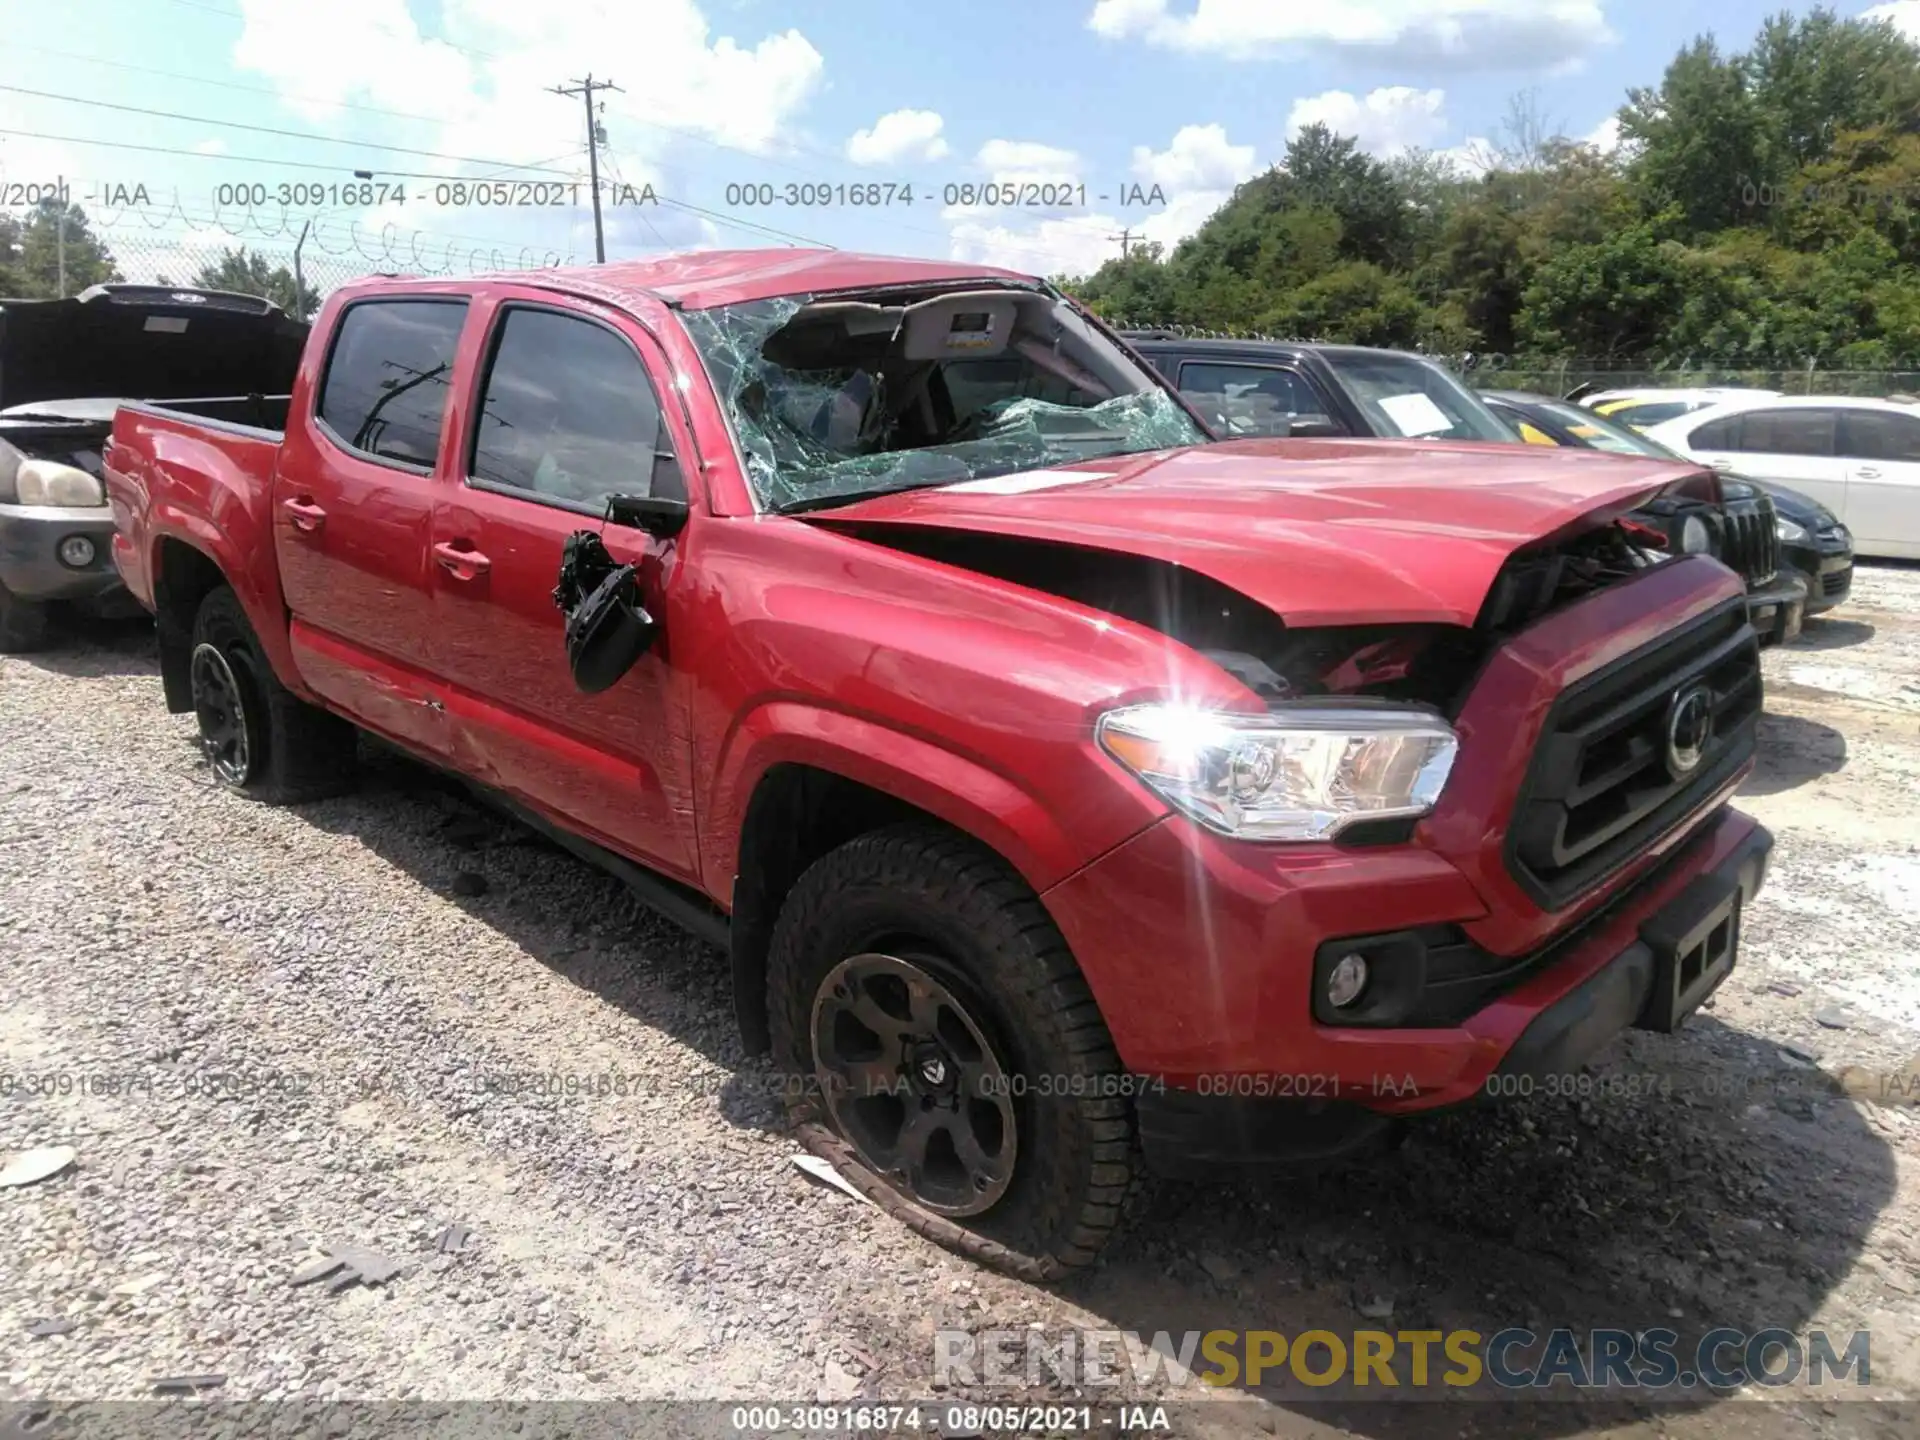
x,y
565,412
354,495
1794,446
1882,451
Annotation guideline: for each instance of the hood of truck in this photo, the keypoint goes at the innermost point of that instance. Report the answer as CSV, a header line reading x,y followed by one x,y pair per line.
x,y
141,342
1320,532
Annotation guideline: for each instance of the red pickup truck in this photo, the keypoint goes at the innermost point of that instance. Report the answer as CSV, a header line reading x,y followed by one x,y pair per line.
x,y
1074,796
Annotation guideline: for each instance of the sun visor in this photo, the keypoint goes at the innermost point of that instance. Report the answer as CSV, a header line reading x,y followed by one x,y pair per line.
x,y
959,327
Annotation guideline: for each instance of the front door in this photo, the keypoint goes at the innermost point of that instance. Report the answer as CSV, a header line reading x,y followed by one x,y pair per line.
x,y
564,414
1792,446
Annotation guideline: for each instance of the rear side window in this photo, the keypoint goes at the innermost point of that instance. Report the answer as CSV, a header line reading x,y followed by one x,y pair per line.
x,y
1716,435
1786,432
387,379
570,415
1879,435
1250,399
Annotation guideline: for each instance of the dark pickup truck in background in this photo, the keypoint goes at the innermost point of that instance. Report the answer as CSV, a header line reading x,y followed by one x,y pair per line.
x,y
1068,790
65,366
1298,388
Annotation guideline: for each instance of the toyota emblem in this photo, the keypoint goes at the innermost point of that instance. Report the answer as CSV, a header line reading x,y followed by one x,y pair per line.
x,y
1689,729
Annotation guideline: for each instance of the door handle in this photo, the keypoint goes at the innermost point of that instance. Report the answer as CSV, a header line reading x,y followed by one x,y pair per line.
x,y
1719,464
460,560
1866,472
307,517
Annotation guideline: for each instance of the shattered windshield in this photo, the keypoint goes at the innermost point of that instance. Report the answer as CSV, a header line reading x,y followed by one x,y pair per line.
x,y
835,397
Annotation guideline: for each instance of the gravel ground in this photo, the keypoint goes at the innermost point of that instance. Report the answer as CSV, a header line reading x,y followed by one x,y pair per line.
x,y
281,1031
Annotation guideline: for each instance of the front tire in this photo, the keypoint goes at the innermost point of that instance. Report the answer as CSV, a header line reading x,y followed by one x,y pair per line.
x,y
258,737
941,1049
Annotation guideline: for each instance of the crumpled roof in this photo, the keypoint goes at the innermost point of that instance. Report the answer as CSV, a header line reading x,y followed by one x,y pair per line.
x,y
702,279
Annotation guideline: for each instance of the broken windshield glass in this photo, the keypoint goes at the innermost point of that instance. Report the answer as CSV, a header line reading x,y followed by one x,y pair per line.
x,y
855,407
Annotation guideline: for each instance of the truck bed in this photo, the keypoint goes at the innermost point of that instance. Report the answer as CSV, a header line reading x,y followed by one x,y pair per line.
x,y
263,416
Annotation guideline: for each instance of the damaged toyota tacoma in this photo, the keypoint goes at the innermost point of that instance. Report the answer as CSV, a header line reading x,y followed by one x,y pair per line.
x,y
1075,797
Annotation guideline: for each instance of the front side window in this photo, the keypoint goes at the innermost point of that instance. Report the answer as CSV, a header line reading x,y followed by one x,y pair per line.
x,y
569,413
387,379
1408,398
834,397
1879,435
1786,432
1251,399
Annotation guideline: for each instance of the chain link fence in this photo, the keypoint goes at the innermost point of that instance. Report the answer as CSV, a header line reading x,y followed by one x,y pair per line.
x,y
1558,374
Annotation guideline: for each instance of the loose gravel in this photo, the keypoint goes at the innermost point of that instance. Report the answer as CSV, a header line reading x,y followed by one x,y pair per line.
x,y
269,1033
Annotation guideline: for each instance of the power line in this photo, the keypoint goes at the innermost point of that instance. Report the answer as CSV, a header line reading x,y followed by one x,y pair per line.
x,y
266,90
266,129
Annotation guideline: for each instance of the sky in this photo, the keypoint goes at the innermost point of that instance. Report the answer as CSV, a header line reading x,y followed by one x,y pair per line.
x,y
1043,135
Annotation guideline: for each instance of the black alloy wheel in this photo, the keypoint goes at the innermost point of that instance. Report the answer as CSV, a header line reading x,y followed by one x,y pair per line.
x,y
913,1082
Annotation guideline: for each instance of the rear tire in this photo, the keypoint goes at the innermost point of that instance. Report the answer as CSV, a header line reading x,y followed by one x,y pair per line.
x,y
23,624
259,739
967,994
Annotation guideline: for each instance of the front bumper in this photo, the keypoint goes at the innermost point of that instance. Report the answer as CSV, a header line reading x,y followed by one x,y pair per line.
x,y
30,563
1826,565
1776,609
1650,959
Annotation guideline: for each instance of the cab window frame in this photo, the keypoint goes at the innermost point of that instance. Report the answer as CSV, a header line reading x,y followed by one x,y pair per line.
x,y
317,400
666,447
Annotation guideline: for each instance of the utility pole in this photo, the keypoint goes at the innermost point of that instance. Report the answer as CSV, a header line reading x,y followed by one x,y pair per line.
x,y
584,89
1125,237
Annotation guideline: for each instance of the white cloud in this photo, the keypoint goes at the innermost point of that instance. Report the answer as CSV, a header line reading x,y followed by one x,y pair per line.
x,y
1460,33
1026,161
897,136
1385,121
1070,245
210,147
1905,15
1200,158
488,73
1604,137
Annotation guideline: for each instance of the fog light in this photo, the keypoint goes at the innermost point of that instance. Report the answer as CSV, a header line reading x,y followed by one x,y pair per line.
x,y
76,552
1346,980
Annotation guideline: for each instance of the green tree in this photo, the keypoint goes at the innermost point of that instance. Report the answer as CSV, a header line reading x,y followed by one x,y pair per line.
x,y
56,253
247,272
1701,140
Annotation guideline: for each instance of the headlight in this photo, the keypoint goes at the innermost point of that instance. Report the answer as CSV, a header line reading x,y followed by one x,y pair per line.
x,y
43,482
1297,773
1789,531
1694,536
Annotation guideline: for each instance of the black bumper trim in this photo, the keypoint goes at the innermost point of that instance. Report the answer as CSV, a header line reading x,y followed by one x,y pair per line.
x,y
1581,1023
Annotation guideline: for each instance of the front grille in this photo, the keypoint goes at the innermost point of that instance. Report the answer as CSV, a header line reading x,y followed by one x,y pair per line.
x,y
1749,544
1835,582
1605,783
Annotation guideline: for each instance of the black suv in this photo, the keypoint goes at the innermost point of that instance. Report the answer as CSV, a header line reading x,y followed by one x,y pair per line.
x,y
1246,388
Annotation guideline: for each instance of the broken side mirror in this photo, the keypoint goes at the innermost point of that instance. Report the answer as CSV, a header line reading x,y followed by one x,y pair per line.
x,y
607,629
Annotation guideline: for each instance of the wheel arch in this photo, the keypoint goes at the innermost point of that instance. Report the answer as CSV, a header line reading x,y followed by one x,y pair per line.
x,y
811,788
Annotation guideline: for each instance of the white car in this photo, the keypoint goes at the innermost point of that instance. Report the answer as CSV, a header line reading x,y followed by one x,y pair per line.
x,y
1645,408
1860,458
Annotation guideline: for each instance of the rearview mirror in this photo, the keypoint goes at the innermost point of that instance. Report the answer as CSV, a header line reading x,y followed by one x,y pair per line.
x,y
1313,429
